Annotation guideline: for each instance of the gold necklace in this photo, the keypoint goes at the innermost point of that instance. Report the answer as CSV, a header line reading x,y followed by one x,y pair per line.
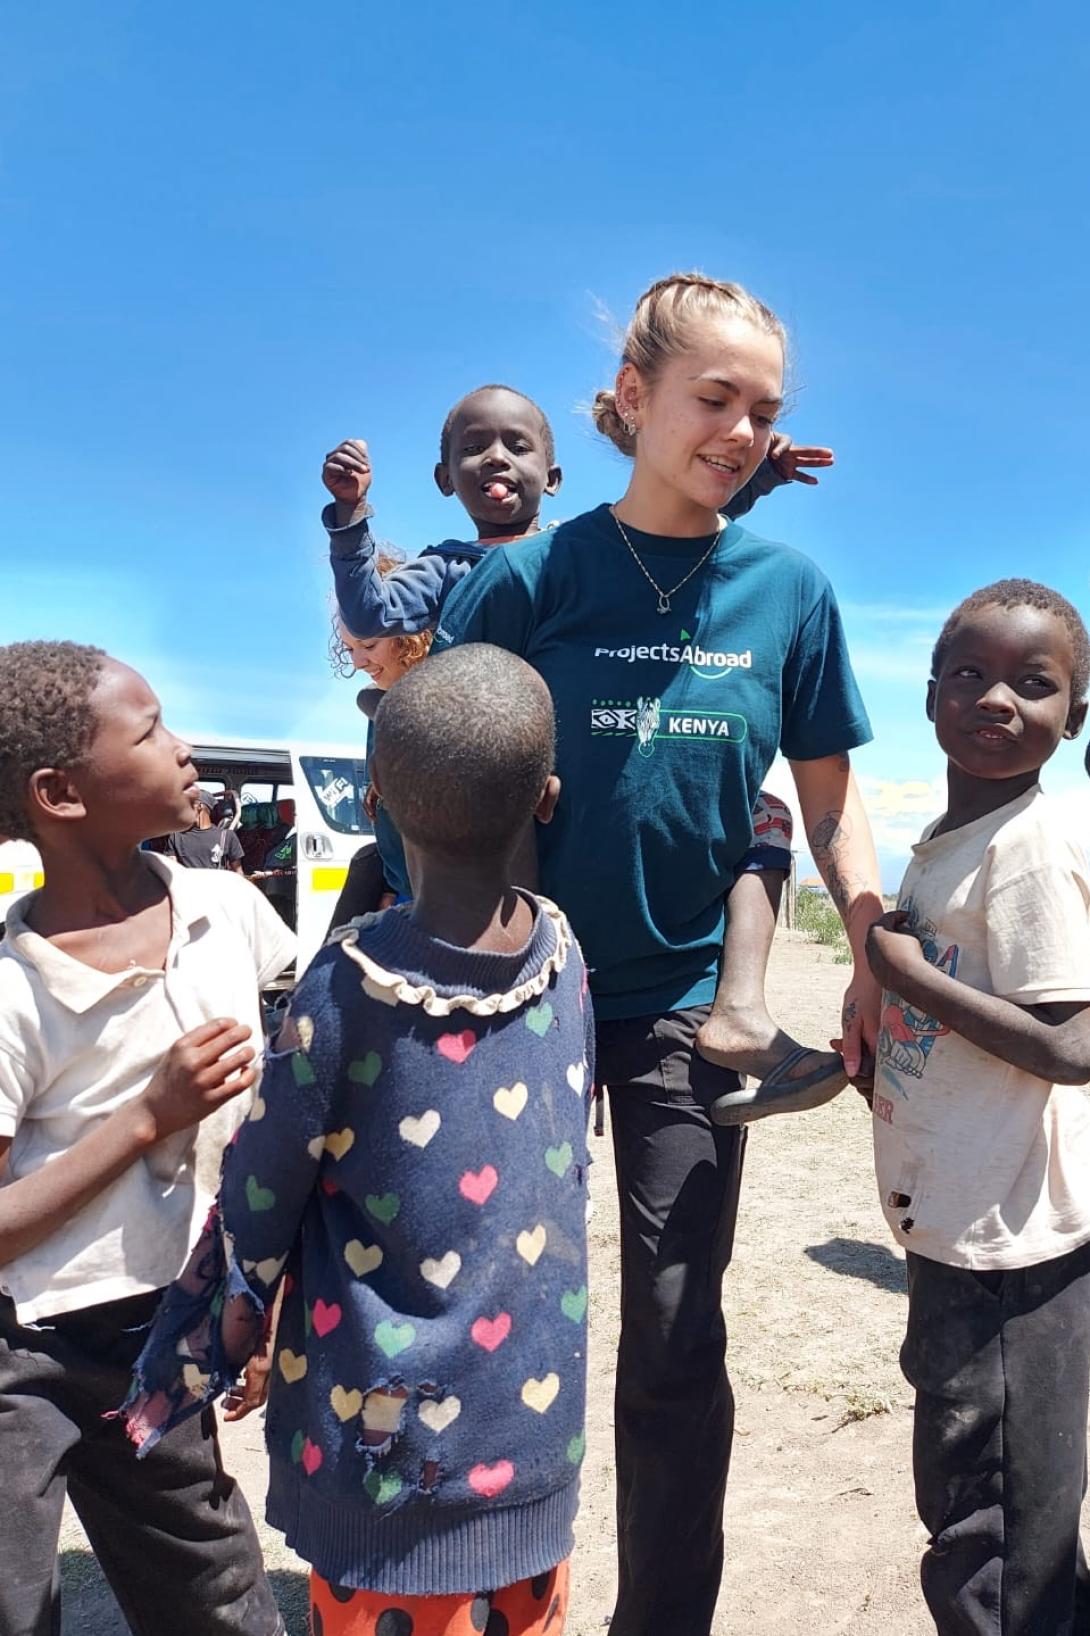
x,y
664,596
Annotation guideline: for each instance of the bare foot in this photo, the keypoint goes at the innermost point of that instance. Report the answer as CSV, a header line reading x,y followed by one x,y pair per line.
x,y
746,1039
788,1077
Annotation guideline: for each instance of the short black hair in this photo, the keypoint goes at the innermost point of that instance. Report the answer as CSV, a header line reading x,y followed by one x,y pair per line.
x,y
46,719
464,745
495,386
1023,593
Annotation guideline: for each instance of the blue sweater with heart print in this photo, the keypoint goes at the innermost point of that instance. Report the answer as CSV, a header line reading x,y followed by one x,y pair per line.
x,y
413,1174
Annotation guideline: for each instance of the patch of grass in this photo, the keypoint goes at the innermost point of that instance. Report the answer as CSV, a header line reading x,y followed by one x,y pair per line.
x,y
861,1405
817,919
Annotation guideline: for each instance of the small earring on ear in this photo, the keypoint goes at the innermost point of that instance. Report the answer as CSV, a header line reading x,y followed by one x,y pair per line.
x,y
630,427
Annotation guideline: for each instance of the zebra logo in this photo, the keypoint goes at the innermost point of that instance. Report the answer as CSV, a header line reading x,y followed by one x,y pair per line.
x,y
648,715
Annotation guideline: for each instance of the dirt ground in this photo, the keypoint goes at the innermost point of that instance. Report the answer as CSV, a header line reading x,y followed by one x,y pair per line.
x,y
822,1535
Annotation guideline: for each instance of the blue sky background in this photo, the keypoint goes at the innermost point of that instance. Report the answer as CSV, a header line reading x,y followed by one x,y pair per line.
x,y
235,234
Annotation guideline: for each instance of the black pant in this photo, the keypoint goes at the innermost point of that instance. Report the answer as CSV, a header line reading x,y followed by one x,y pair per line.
x,y
1001,1364
173,1532
363,887
678,1177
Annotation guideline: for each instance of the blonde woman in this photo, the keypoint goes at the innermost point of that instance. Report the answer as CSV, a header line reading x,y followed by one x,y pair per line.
x,y
378,875
682,653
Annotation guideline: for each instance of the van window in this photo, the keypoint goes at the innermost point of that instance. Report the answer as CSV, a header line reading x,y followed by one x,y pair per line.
x,y
339,784
262,794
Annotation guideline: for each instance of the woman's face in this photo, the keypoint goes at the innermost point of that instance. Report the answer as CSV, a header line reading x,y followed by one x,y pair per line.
x,y
377,656
704,425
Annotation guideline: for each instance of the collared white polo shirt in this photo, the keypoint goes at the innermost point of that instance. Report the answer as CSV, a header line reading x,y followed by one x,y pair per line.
x,y
76,1044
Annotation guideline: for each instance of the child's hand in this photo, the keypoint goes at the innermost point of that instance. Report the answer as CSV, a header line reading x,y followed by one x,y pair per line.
x,y
892,951
253,1389
787,458
238,1337
346,472
204,1069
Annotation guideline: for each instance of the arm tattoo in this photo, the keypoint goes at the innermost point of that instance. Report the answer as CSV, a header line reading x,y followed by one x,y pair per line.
x,y
830,843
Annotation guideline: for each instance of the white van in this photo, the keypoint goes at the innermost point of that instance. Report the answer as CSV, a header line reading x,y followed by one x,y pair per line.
x,y
326,785
314,840
20,872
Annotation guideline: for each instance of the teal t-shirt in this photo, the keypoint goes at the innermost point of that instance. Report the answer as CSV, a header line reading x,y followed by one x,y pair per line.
x,y
666,727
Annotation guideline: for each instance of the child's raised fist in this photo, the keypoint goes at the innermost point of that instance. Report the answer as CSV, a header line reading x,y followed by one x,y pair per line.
x,y
346,471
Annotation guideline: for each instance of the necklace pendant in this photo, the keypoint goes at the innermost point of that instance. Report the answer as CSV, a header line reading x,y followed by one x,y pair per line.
x,y
664,603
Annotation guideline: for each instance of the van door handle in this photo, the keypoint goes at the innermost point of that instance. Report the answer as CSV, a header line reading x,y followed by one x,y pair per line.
x,y
317,846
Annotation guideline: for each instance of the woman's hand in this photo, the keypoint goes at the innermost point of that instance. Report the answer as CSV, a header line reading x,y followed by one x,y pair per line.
x,y
859,1019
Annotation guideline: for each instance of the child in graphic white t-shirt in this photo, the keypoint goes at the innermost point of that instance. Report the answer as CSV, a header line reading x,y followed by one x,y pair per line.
x,y
982,1154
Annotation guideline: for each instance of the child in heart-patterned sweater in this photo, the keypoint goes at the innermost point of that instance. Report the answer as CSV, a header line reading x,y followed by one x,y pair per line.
x,y
413,1179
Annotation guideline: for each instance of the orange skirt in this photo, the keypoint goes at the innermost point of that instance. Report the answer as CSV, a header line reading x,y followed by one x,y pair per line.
x,y
533,1607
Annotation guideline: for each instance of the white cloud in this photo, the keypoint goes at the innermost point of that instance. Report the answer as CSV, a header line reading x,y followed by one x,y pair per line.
x,y
898,810
890,799
893,613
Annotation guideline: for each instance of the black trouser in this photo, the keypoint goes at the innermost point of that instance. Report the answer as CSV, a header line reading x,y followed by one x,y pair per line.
x,y
173,1532
363,887
678,1177
1001,1364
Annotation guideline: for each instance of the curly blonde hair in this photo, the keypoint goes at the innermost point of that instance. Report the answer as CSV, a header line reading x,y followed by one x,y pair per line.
x,y
661,328
410,649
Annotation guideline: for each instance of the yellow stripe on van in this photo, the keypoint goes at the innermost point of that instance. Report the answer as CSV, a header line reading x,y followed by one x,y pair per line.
x,y
28,880
329,879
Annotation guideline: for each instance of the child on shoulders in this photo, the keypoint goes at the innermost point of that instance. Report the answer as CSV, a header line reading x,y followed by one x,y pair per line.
x,y
497,454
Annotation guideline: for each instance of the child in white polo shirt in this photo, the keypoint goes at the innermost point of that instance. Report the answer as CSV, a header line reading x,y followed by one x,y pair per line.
x,y
982,1126
128,988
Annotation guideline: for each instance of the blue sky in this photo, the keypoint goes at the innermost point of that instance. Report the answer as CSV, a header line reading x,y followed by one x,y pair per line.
x,y
235,234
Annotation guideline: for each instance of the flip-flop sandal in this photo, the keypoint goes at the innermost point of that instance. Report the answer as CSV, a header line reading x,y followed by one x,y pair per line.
x,y
780,1094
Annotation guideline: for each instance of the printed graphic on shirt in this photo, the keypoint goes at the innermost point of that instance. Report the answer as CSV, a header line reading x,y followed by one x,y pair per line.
x,y
772,822
645,720
709,664
907,1035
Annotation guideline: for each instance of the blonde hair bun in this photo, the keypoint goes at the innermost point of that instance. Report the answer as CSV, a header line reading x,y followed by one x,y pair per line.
x,y
607,419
